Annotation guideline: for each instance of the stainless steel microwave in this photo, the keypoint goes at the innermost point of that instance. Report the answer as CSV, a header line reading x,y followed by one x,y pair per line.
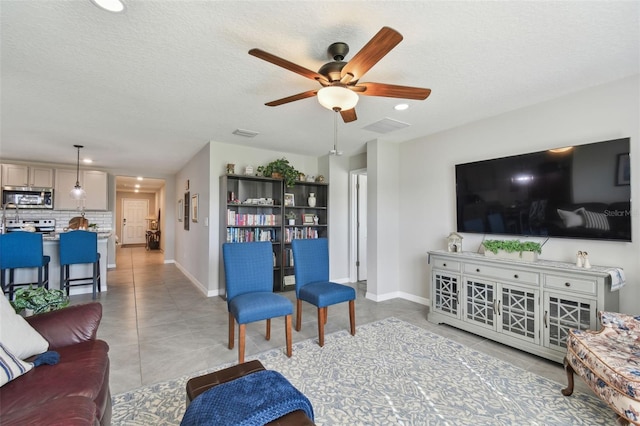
x,y
26,197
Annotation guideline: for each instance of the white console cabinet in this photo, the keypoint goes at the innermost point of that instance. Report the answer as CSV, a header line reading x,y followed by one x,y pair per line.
x,y
528,305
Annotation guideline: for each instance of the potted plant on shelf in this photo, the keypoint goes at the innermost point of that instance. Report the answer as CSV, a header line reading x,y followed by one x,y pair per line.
x,y
281,169
36,300
512,249
291,216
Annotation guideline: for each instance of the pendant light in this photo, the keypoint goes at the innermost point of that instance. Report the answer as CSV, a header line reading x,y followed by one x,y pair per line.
x,y
335,151
77,193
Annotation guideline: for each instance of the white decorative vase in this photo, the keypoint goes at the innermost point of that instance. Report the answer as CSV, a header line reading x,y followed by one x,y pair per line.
x,y
292,221
312,200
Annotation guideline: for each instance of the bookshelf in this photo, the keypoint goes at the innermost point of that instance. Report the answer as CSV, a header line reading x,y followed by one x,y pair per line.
x,y
309,222
252,208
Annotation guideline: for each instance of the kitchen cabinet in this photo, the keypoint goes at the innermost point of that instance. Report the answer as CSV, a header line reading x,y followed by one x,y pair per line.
x,y
27,175
527,305
94,183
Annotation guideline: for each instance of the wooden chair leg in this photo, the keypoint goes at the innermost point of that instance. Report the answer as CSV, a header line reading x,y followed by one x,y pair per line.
x,y
287,331
242,329
268,332
352,316
231,330
298,314
569,369
326,314
322,312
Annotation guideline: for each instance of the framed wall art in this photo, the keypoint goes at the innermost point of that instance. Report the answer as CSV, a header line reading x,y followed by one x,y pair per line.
x,y
187,200
194,208
180,210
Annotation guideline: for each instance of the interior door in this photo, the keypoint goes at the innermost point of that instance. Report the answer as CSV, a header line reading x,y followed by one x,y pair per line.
x,y
362,228
134,224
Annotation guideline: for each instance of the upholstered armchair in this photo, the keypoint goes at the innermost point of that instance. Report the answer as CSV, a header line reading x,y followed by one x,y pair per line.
x,y
248,270
311,260
609,362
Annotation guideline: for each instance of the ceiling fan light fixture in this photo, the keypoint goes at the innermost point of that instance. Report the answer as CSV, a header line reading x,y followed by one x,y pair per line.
x,y
337,98
115,6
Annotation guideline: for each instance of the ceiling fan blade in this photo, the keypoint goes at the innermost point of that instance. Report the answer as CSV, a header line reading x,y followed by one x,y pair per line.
x,y
381,44
393,91
303,95
349,115
305,72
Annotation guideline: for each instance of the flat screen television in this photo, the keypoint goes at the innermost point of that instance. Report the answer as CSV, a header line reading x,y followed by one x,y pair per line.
x,y
583,191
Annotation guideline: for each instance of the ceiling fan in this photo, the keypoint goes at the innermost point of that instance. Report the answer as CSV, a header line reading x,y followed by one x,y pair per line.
x,y
340,79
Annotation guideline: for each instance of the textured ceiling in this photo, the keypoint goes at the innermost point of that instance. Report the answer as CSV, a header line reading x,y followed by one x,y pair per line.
x,y
145,90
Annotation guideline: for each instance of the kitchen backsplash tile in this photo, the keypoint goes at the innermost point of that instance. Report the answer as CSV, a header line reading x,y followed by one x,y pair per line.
x,y
103,219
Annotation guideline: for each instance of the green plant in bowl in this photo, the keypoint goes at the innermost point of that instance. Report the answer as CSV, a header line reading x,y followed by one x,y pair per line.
x,y
283,168
511,246
39,299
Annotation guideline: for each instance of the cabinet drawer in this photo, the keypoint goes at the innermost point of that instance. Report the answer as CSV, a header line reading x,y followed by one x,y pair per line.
x,y
449,265
512,275
560,282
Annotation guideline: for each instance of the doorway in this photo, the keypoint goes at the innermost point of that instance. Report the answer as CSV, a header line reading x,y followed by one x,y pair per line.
x,y
134,223
358,208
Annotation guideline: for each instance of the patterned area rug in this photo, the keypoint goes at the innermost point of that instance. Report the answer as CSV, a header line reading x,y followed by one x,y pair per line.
x,y
394,373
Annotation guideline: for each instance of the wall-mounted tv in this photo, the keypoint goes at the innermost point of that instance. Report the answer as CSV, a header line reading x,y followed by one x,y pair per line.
x,y
582,191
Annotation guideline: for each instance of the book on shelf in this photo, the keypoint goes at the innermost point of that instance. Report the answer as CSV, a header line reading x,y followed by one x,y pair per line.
x,y
288,257
247,235
242,219
300,233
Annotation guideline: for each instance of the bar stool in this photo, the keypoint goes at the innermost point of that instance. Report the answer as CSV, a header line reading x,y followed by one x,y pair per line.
x,y
20,250
78,247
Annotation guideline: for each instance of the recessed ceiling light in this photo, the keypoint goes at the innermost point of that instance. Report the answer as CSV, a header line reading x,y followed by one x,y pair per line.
x,y
87,160
136,190
115,6
140,178
136,186
401,107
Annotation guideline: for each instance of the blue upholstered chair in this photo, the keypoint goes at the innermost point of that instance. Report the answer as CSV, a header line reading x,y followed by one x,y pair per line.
x,y
248,270
22,250
79,247
311,260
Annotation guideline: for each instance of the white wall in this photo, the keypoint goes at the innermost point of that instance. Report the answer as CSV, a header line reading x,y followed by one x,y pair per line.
x,y
427,182
384,221
192,246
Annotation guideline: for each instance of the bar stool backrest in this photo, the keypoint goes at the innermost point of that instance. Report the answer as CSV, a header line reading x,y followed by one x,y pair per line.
x,y
78,247
20,249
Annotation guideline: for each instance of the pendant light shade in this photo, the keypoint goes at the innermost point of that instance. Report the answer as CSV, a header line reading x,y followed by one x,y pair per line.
x,y
77,193
337,97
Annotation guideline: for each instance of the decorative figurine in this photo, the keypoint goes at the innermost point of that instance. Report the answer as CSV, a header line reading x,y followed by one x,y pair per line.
x,y
580,259
585,256
454,243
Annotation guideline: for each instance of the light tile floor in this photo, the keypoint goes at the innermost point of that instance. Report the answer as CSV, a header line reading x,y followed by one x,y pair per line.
x,y
159,326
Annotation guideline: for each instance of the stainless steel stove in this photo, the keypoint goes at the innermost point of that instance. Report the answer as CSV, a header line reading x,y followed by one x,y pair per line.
x,y
44,226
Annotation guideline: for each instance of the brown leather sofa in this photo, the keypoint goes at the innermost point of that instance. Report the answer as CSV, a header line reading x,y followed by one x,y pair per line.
x,y
76,390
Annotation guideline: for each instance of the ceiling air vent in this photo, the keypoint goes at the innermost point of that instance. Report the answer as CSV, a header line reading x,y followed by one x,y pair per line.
x,y
386,125
245,133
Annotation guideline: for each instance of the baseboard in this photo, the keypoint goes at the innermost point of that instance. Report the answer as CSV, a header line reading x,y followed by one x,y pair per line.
x,y
398,295
195,282
169,261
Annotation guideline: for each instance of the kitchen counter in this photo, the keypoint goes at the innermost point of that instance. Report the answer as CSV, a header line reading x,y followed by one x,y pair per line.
x,y
51,247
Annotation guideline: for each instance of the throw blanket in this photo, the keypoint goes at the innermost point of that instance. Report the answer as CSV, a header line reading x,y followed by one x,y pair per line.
x,y
618,279
254,399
